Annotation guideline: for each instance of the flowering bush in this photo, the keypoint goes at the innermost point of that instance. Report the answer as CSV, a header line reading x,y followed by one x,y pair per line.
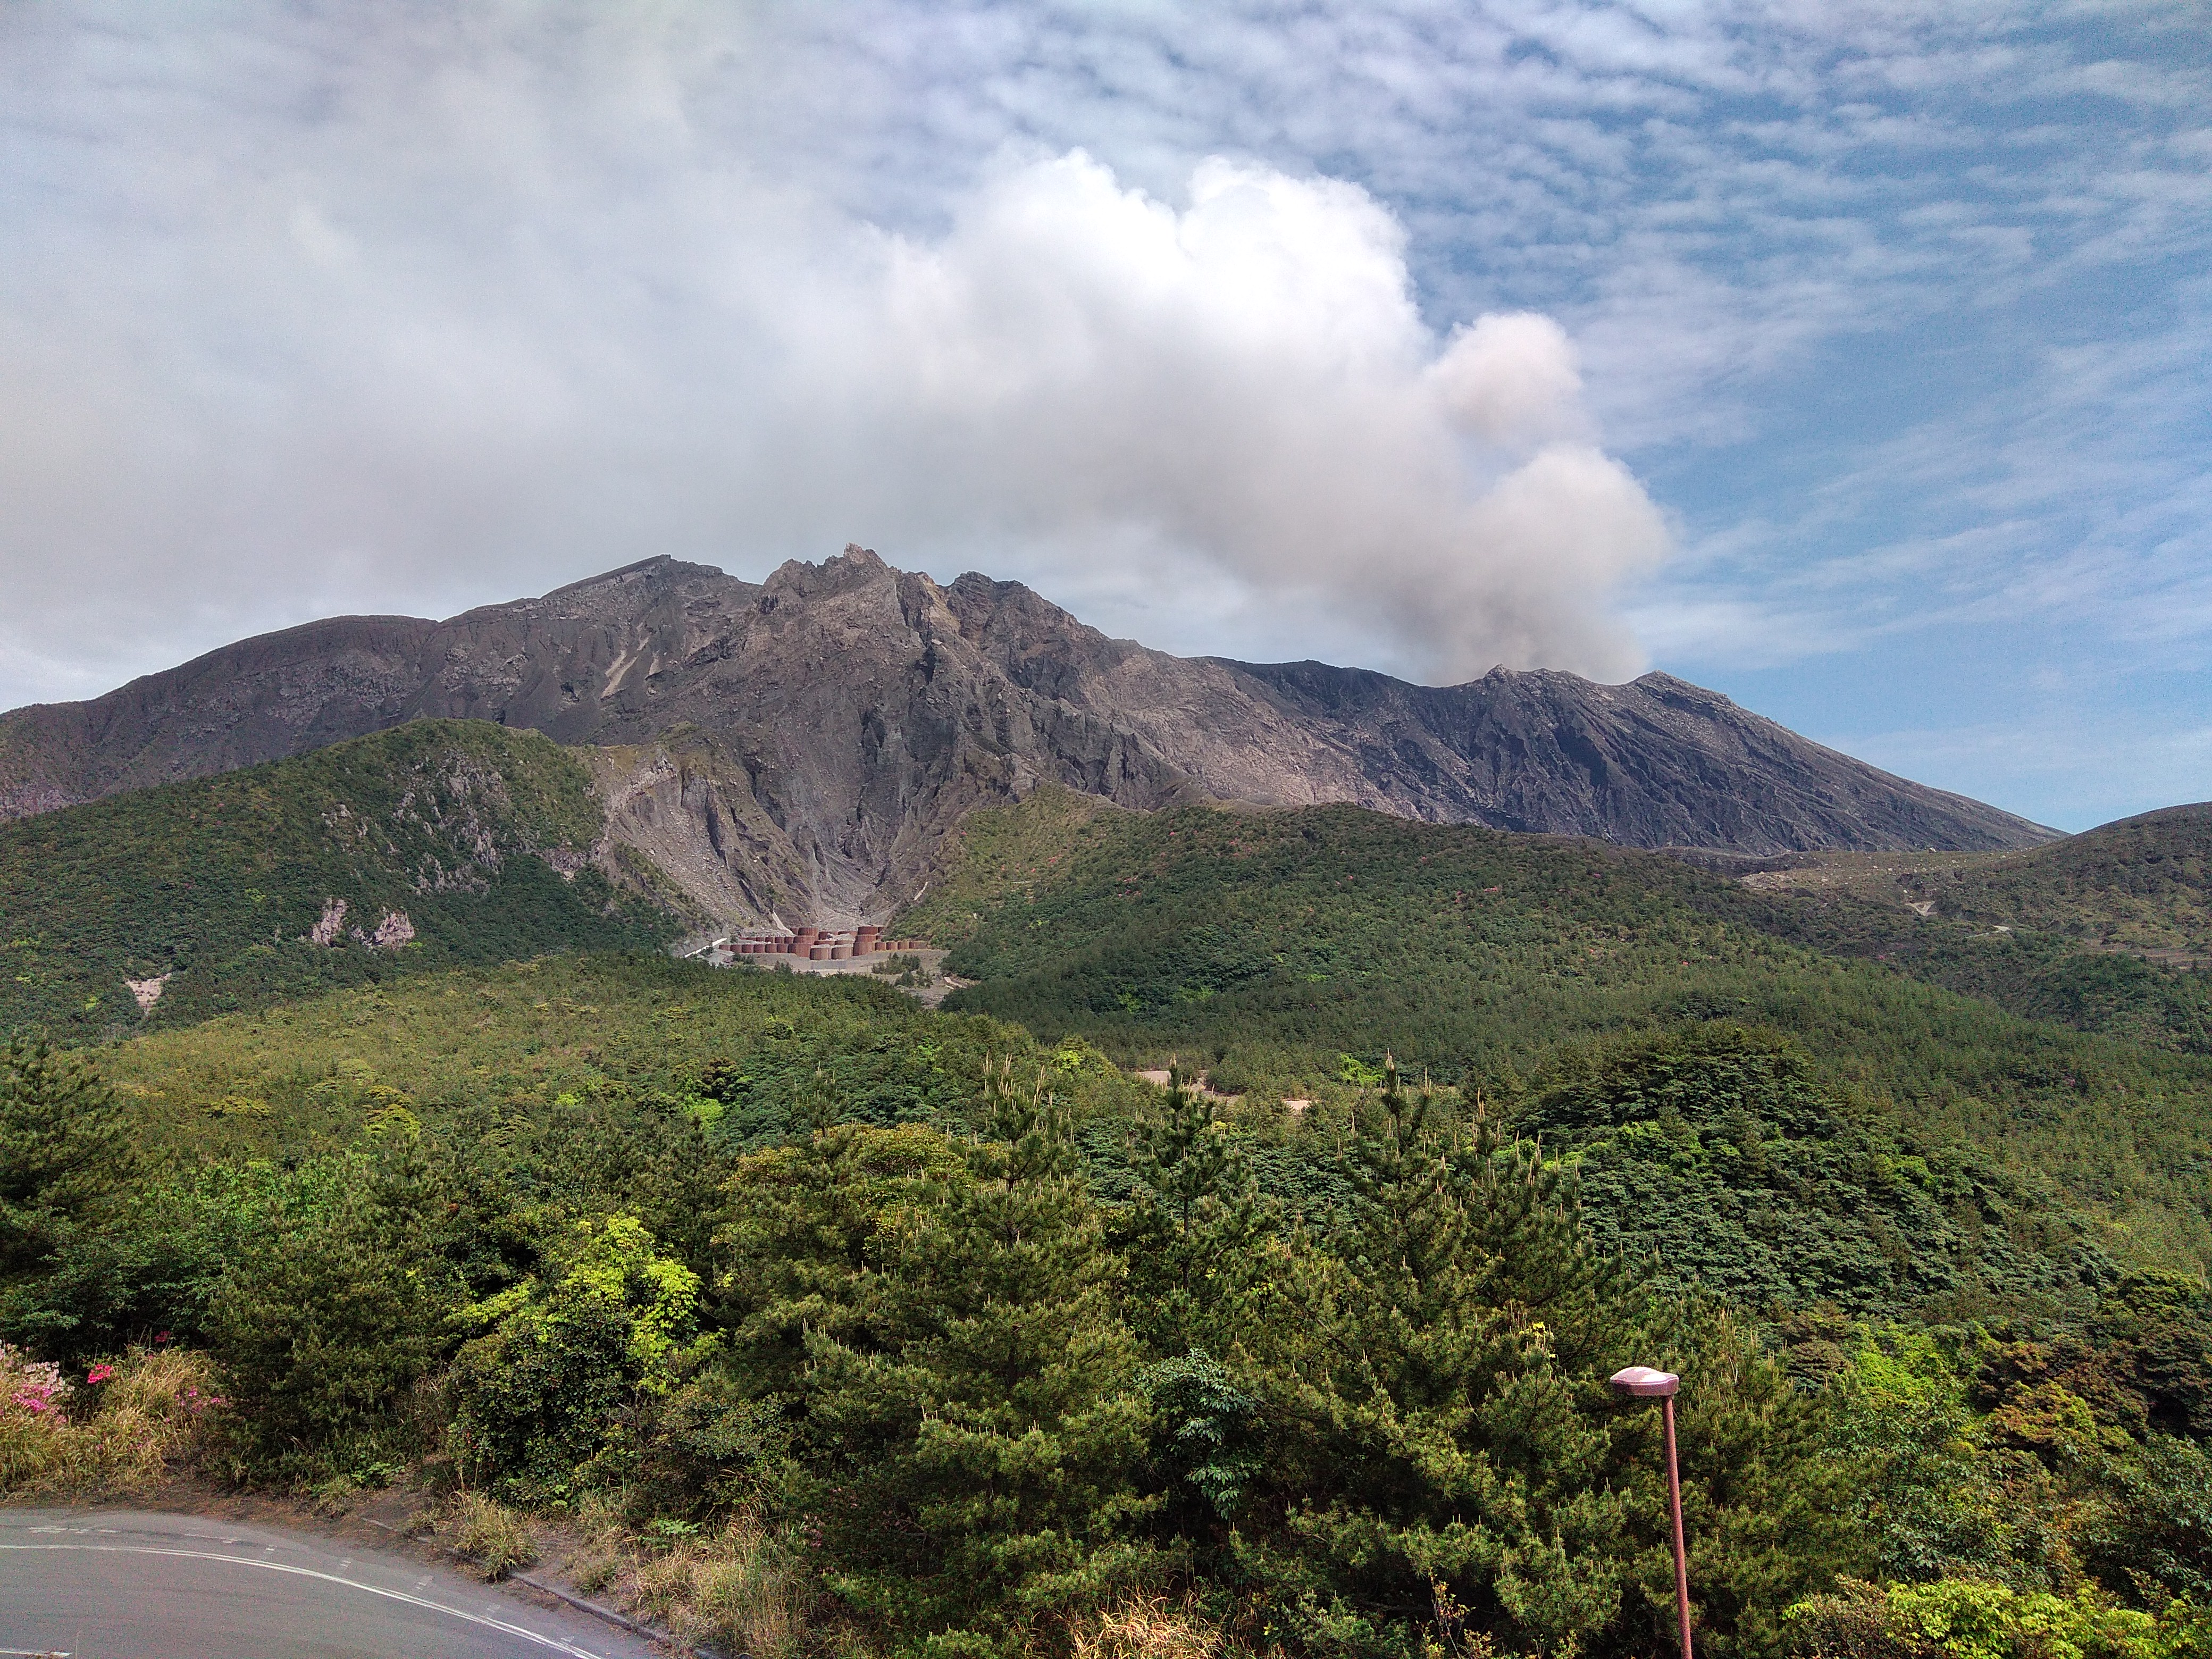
x,y
33,1386
149,1412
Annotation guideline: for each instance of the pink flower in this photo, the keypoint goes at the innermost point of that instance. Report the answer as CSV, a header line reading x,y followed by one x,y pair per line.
x,y
98,1373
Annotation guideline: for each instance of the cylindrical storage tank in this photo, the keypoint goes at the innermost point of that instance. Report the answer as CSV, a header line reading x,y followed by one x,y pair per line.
x,y
841,953
818,952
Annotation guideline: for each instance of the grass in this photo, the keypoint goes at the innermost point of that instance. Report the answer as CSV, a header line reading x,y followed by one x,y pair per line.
x,y
1144,1627
496,1538
731,1588
127,1434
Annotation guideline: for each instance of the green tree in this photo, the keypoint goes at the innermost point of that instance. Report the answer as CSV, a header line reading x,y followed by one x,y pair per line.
x,y
1196,1237
61,1149
1445,1458
548,1385
1446,1475
966,1422
332,1312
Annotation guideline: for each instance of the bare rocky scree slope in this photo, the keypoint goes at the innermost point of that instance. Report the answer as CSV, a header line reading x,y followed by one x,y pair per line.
x,y
807,742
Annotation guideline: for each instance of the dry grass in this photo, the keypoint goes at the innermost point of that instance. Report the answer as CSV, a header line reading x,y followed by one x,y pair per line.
x,y
128,1433
729,1588
603,1540
1142,1627
489,1534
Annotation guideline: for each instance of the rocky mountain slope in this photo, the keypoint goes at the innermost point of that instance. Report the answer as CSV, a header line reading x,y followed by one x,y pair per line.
x,y
816,736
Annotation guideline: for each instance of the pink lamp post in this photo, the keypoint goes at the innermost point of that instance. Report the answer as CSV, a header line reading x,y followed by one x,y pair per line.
x,y
1643,1382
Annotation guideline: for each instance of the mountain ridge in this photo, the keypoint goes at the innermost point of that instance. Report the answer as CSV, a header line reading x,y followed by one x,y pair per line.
x,y
847,714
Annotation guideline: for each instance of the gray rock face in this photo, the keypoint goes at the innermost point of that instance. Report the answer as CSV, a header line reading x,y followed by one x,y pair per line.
x,y
805,743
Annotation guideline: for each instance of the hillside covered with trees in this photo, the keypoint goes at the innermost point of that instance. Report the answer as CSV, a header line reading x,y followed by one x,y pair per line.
x,y
285,879
940,1332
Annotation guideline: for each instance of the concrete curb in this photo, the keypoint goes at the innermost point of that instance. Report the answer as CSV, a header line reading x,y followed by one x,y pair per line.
x,y
600,1610
582,1604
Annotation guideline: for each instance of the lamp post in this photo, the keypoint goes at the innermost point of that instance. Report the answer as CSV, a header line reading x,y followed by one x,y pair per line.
x,y
1643,1382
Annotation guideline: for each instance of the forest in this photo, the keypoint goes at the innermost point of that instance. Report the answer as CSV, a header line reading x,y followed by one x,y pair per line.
x,y
908,1331
478,835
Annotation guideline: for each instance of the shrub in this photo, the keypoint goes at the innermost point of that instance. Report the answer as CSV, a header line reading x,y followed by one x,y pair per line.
x,y
1973,1619
545,1389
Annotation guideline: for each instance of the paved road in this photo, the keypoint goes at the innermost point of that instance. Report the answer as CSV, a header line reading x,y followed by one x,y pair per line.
x,y
119,1584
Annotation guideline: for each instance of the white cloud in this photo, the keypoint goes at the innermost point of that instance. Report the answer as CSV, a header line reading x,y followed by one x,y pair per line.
x,y
309,308
1246,381
480,330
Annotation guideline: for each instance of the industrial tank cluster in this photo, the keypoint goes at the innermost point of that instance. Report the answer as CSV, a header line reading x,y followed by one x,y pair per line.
x,y
820,944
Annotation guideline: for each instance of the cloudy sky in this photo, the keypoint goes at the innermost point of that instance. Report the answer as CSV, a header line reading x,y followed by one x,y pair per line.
x,y
1851,358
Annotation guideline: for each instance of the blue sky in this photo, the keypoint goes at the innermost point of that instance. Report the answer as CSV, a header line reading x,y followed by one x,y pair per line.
x,y
1850,359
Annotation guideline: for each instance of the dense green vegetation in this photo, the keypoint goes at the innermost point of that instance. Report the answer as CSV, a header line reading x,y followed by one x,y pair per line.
x,y
2106,931
1290,950
480,837
993,1349
993,1345
2142,883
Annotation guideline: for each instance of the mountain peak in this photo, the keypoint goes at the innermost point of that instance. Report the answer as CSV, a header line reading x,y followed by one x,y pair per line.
x,y
813,738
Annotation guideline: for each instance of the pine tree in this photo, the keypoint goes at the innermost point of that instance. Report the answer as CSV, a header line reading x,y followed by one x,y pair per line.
x,y
970,1437
61,1148
1197,1235
1449,1469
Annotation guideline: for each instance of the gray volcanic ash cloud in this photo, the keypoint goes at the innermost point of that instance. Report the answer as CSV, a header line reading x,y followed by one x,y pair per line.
x,y
1243,385
319,320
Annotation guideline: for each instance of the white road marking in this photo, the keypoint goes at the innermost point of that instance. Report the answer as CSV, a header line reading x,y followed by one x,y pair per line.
x,y
499,1624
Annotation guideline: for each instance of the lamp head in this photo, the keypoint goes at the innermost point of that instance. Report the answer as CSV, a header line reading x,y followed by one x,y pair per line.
x,y
1643,1382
